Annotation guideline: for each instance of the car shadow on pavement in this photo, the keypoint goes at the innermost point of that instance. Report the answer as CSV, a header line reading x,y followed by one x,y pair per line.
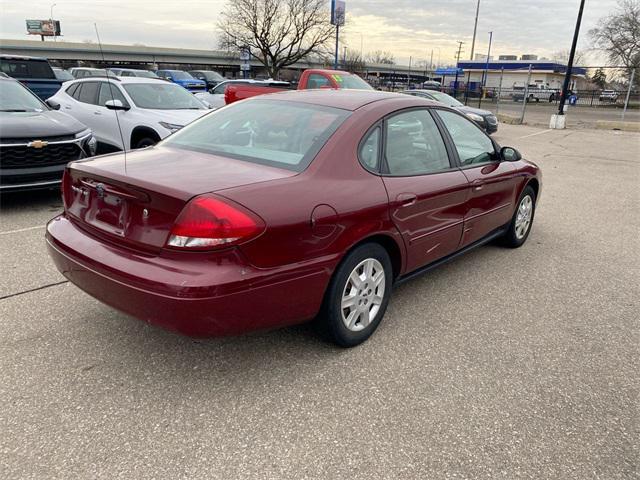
x,y
36,200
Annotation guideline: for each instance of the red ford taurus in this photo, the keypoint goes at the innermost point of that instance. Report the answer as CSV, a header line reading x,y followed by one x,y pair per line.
x,y
288,207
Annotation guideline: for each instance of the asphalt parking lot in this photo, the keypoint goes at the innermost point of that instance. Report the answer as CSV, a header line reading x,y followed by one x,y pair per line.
x,y
502,364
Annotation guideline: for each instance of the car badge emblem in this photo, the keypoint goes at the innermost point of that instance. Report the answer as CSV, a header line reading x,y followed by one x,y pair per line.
x,y
100,190
37,144
145,213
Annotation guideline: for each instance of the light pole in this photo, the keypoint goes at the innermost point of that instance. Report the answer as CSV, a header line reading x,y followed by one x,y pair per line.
x,y
572,54
475,28
486,66
51,20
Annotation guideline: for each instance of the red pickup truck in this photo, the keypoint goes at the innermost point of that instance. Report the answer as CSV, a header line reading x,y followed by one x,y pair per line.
x,y
310,79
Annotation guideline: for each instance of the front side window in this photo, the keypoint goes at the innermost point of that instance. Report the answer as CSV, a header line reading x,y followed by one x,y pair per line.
x,y
414,145
219,90
27,68
277,133
471,143
110,92
162,96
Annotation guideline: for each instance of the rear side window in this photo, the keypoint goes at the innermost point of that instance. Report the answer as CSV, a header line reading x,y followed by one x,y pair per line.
x,y
277,133
27,68
88,93
72,89
414,145
370,150
317,81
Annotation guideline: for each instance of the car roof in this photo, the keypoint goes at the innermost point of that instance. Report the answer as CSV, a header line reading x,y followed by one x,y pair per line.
x,y
346,99
122,80
22,57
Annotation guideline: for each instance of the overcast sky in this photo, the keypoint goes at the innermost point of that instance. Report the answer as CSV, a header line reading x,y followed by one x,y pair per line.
x,y
404,27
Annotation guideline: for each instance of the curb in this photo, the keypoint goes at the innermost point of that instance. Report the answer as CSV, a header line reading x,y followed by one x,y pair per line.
x,y
617,125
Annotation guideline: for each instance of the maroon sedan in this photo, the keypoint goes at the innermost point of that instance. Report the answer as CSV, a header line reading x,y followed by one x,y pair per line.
x,y
289,207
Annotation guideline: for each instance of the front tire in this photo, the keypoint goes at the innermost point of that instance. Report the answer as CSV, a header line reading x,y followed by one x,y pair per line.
x,y
145,142
522,219
358,294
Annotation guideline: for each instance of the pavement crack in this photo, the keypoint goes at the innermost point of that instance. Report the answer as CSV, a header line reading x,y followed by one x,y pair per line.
x,y
34,289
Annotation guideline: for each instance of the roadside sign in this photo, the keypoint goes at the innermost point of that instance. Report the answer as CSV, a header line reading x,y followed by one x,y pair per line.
x,y
245,67
338,12
46,28
245,54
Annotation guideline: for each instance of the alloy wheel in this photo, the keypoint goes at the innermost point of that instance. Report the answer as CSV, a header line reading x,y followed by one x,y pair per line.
x,y
523,217
363,294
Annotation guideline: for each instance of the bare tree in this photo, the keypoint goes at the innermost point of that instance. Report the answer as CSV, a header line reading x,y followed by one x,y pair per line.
x,y
278,32
618,35
353,61
379,56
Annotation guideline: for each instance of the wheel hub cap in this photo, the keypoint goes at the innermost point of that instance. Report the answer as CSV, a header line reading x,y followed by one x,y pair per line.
x,y
523,217
362,295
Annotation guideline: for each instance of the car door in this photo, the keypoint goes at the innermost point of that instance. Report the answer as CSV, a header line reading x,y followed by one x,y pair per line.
x,y
82,105
106,124
493,182
427,192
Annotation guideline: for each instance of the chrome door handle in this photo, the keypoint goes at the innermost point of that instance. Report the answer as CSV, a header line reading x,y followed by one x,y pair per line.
x,y
477,185
407,199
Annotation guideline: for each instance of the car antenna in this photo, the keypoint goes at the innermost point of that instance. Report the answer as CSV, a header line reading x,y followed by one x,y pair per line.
x,y
113,98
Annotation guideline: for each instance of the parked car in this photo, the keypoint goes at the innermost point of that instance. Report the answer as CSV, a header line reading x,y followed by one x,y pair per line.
x,y
183,79
210,78
432,85
34,72
83,72
62,75
147,109
284,208
215,97
610,96
134,72
535,92
309,80
483,118
36,142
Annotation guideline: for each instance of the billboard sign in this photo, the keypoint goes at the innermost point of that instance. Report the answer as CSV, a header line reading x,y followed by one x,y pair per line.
x,y
46,28
338,12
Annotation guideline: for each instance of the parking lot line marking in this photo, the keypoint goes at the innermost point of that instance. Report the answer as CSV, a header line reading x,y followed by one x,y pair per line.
x,y
537,133
34,289
22,230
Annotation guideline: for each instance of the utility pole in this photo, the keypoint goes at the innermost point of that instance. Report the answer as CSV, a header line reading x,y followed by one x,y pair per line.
x,y
572,54
455,84
475,28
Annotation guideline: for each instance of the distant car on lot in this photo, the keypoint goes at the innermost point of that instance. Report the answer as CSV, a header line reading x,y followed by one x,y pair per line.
x,y
608,96
211,78
34,72
284,208
83,72
147,109
536,92
36,142
62,75
431,85
215,98
133,72
183,79
483,118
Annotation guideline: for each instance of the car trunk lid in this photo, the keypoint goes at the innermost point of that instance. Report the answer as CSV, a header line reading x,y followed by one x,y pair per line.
x,y
137,201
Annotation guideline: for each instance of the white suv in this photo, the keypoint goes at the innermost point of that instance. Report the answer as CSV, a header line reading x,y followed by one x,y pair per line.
x,y
147,110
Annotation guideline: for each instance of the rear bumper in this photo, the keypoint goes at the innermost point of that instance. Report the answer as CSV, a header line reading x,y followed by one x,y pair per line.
x,y
197,294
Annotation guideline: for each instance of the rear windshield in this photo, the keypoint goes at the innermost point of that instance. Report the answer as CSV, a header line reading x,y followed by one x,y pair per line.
x,y
351,82
26,68
277,133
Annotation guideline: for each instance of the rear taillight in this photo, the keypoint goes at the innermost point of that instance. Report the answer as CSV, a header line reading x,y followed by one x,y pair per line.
x,y
65,189
207,222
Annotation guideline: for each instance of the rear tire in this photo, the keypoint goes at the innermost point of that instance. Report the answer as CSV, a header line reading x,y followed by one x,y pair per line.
x,y
357,297
522,220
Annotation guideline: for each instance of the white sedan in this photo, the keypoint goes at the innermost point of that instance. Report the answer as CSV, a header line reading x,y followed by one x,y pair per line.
x,y
128,112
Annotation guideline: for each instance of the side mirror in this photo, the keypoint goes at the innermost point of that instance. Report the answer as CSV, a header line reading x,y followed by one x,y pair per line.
x,y
115,105
53,104
510,154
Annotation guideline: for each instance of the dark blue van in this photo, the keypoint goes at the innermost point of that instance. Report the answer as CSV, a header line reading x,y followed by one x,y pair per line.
x,y
33,72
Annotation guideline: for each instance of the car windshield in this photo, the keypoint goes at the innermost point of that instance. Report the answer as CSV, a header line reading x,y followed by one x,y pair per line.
x,y
277,133
162,96
16,98
63,75
213,76
446,99
351,82
180,75
98,72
